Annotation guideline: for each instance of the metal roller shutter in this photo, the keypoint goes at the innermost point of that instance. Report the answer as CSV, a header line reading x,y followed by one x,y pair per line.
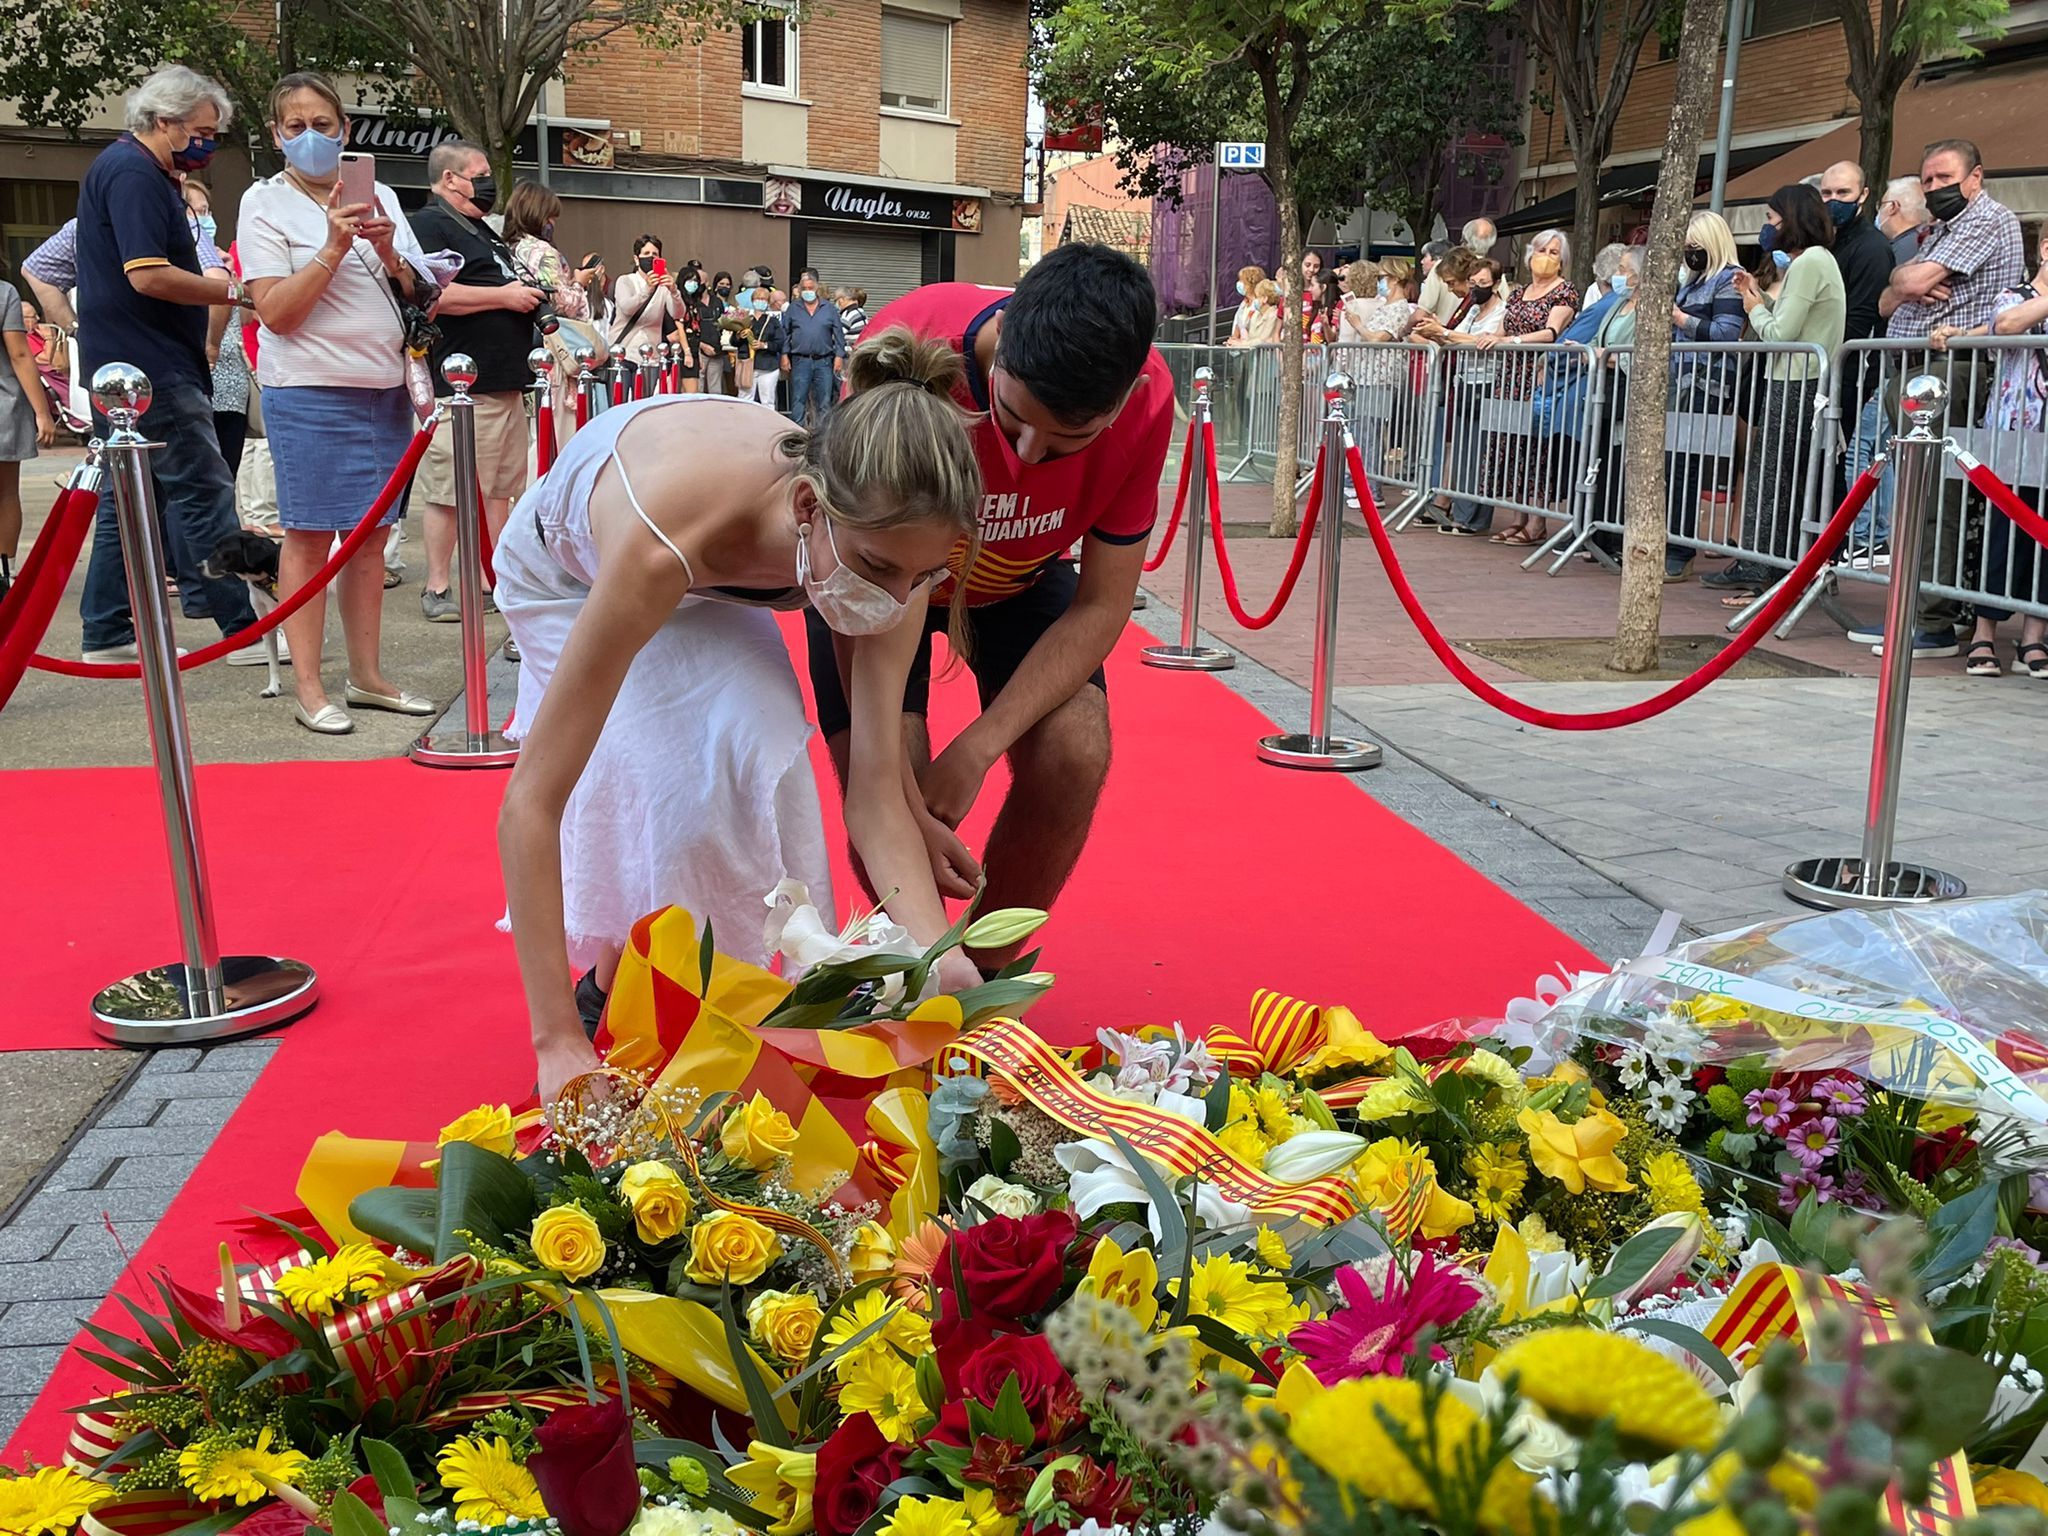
x,y
887,265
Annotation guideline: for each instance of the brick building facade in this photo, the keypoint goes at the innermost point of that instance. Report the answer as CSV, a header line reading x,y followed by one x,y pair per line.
x,y
882,142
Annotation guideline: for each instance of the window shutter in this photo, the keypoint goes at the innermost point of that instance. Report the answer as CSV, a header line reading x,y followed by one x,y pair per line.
x,y
914,50
886,265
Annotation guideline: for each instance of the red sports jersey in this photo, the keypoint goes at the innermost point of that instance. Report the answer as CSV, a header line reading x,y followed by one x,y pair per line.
x,y
1031,514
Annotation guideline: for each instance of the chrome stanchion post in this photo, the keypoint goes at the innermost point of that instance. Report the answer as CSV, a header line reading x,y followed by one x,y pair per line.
x,y
1190,655
542,364
595,396
1875,878
207,996
476,744
650,371
1319,749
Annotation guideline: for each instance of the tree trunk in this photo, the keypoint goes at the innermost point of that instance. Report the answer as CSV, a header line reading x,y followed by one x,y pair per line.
x,y
1642,567
1874,153
1586,206
1286,466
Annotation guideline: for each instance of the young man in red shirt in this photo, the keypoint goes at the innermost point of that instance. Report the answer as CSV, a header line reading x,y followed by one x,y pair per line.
x,y
1076,412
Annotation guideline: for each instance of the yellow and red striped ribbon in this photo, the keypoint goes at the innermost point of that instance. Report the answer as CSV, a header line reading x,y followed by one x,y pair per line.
x,y
1037,1072
1777,1301
1283,1031
380,1344
774,1220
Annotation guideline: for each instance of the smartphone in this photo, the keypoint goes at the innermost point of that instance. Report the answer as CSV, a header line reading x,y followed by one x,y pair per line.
x,y
359,180
660,267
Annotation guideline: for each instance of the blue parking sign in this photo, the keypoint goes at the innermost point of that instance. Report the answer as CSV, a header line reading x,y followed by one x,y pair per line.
x,y
1241,157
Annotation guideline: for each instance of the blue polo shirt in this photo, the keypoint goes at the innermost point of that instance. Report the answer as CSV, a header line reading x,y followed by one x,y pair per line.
x,y
130,215
808,334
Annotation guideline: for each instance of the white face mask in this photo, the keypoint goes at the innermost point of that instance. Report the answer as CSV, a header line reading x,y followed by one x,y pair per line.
x,y
847,601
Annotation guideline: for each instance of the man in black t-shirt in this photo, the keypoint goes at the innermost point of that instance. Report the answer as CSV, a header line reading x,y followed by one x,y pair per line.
x,y
488,313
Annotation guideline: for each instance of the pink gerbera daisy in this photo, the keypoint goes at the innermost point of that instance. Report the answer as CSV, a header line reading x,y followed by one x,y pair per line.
x,y
1374,1334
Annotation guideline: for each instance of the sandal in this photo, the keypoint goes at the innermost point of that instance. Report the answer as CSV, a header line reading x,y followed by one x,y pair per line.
x,y
2032,659
1980,659
1739,599
1522,538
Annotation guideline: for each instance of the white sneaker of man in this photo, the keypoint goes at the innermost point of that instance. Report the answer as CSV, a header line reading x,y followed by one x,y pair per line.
x,y
255,654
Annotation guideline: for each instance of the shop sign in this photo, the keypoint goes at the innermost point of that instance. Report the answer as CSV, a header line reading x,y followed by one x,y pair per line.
x,y
806,197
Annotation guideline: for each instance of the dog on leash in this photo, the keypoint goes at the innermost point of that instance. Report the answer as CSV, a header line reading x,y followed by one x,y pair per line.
x,y
254,559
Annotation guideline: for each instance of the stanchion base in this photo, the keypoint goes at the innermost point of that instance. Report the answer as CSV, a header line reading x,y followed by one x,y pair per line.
x,y
1339,753
1189,658
1835,884
452,748
154,1007
1140,602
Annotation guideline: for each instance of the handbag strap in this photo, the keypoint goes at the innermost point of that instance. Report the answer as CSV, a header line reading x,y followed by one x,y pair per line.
x,y
627,329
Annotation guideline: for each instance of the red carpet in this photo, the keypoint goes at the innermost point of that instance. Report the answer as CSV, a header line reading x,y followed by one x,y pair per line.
x,y
1209,874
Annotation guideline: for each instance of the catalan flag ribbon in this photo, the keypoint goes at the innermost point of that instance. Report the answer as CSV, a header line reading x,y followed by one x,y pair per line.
x,y
1015,1052
1777,1301
1282,1033
384,1340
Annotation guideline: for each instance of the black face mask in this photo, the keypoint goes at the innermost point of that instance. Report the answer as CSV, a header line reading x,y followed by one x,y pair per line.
x,y
646,263
1946,202
1696,260
725,289
483,191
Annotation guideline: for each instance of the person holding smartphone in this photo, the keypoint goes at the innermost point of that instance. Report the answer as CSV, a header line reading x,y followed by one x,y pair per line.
x,y
644,301
328,260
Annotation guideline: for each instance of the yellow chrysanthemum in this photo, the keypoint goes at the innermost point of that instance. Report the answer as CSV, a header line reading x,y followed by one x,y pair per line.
x,y
1536,1235
214,1472
916,1516
352,1273
1498,1178
1397,1179
1498,1073
1996,1487
1668,1181
1580,1155
487,1482
1242,1140
782,1483
1226,1289
1272,1250
883,1385
1344,1431
1579,1376
1128,1280
1389,1098
1269,1106
905,1329
983,1517
49,1501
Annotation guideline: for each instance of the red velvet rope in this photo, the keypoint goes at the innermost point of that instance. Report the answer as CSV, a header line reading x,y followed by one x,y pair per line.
x,y
1301,540
31,603
1607,719
2004,497
544,435
358,536
483,543
582,409
1180,499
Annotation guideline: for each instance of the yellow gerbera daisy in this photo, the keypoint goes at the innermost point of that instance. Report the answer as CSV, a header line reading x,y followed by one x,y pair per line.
x,y
1344,1431
488,1483
905,1329
48,1501
352,1273
883,1385
1498,1180
1226,1289
215,1470
927,1517
1579,1376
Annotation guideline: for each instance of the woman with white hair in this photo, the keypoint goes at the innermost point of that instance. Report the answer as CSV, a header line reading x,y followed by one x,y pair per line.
x,y
1708,309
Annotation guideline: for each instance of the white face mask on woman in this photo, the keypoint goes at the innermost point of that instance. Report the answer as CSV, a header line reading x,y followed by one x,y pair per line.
x,y
847,601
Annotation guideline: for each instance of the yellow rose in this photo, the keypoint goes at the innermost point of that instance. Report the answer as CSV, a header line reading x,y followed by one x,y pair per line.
x,y
659,1198
874,1252
728,1246
786,1321
1579,1154
566,1240
488,1126
757,1134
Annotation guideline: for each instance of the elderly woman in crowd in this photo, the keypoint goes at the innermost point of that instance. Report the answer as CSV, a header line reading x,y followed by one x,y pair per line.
x,y
331,361
1470,334
1537,313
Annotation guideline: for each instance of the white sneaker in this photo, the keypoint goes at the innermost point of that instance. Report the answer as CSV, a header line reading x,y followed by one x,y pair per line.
x,y
255,654
114,653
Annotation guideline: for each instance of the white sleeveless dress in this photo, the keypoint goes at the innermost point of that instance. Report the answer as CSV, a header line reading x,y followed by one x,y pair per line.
x,y
700,792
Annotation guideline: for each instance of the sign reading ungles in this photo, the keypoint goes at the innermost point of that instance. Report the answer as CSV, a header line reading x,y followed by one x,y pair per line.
x,y
806,197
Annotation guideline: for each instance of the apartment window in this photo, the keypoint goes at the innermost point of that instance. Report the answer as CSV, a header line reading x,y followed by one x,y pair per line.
x,y
916,61
768,55
1767,18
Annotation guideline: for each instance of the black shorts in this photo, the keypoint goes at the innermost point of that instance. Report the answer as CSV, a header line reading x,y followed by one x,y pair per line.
x,y
1000,635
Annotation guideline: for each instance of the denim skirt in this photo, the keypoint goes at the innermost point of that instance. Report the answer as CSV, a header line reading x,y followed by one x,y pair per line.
x,y
333,450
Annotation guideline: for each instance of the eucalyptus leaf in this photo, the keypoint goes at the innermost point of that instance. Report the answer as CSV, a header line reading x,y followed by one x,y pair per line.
x,y
1958,1233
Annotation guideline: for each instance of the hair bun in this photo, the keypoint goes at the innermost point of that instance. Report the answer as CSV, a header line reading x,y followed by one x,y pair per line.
x,y
899,355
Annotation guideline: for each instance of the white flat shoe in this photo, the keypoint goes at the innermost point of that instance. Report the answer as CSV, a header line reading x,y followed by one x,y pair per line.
x,y
330,721
400,703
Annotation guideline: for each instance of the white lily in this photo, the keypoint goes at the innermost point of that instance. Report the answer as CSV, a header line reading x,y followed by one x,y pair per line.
x,y
1554,1276
1312,1154
797,931
1100,1175
1691,1237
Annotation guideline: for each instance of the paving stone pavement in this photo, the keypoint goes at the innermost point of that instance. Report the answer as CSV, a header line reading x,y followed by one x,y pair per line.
x,y
69,1235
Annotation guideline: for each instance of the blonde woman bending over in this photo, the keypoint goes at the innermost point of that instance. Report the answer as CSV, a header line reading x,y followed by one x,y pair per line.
x,y
664,756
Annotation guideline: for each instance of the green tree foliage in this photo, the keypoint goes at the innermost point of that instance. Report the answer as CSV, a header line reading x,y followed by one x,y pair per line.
x,y
1886,49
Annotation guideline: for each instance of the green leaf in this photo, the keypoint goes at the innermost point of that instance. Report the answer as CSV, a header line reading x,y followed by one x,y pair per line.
x,y
483,1193
707,956
1633,1260
1008,998
761,1404
1010,1419
387,1466
297,1362
405,1218
1958,1233
1216,1105
931,1385
350,1516
1691,1340
1173,1227
1945,1393
160,1337
1003,1147
1815,1227
1231,1345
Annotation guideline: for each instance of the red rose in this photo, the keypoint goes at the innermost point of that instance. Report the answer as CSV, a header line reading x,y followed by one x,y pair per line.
x,y
1050,1396
584,1468
1009,1266
955,1340
854,1466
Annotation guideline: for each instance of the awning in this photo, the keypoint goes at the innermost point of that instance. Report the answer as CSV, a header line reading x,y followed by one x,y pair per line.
x,y
1631,183
1998,108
